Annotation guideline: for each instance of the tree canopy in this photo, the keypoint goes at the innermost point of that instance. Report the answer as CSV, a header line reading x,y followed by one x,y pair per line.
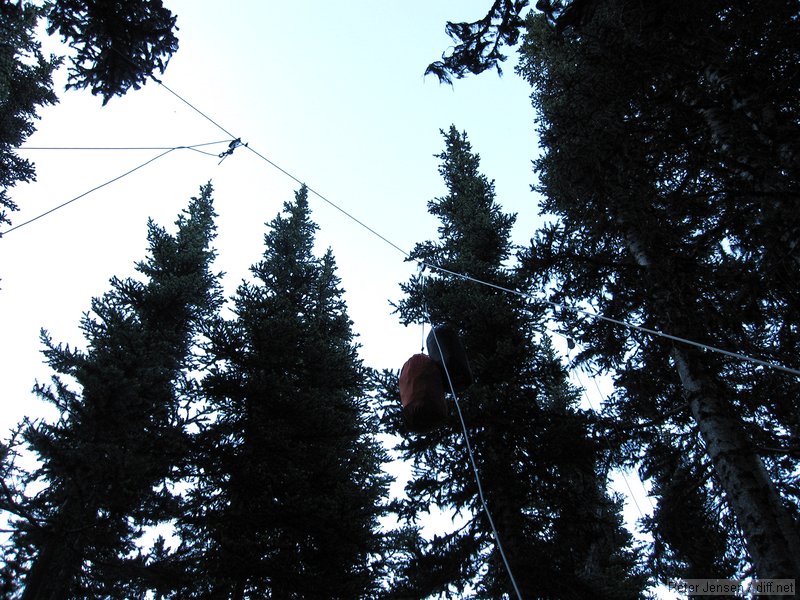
x,y
479,44
670,163
25,84
117,46
288,482
669,185
670,157
106,462
540,466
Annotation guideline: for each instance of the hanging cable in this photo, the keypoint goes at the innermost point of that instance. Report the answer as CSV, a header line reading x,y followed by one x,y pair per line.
x,y
329,202
94,189
616,428
190,105
601,317
593,315
279,168
552,304
471,454
194,147
624,477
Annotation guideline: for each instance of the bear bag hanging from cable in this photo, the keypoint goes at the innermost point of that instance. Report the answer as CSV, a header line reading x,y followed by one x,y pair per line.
x,y
422,394
423,380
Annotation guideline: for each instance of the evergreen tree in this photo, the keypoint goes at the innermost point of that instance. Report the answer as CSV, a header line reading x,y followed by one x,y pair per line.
x,y
478,44
542,470
671,161
116,46
288,484
25,84
120,435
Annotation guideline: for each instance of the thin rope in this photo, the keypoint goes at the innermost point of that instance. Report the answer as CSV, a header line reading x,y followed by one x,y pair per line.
x,y
194,108
281,169
593,315
616,428
330,202
624,477
475,466
94,189
601,317
194,148
191,147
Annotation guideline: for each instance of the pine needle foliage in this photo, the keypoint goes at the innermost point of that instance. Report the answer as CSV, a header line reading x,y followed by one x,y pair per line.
x,y
105,463
541,468
288,482
670,161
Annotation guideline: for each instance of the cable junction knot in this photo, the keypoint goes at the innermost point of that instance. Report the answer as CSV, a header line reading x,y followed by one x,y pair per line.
x,y
231,147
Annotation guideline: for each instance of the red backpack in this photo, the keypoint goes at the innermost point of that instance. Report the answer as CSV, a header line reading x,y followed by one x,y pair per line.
x,y
422,394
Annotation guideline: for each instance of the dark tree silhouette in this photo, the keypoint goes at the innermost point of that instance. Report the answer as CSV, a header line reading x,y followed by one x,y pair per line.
x,y
25,84
671,160
118,44
541,468
479,44
120,434
288,485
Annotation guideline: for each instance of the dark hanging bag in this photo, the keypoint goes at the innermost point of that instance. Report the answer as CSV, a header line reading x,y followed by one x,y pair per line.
x,y
448,352
422,394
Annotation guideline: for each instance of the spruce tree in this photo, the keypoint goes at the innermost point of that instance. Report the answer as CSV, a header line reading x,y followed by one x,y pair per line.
x,y
118,45
288,485
115,46
25,84
542,470
670,158
103,465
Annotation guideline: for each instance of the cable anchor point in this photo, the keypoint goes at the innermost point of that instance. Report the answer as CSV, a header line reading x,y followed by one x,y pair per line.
x,y
231,147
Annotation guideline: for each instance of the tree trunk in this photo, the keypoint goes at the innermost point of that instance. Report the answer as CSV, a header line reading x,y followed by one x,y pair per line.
x,y
58,562
770,532
51,575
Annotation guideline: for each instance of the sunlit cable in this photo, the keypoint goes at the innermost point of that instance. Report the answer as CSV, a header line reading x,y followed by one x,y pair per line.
x,y
624,477
626,324
194,108
281,169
